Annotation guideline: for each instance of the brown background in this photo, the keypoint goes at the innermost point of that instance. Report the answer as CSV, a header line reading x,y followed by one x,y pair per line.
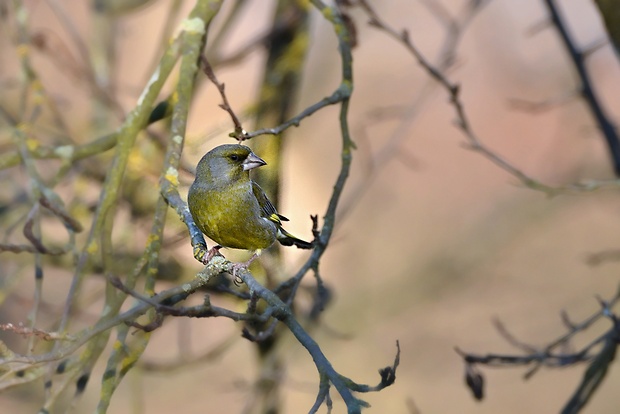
x,y
439,241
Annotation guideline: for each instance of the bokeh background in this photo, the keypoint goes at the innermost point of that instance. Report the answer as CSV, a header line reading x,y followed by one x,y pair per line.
x,y
434,240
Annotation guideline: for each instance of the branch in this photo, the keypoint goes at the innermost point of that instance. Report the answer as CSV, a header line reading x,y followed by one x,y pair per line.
x,y
474,142
208,70
597,370
587,90
327,373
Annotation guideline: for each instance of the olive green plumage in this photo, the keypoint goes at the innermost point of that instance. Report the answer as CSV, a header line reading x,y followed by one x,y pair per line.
x,y
230,208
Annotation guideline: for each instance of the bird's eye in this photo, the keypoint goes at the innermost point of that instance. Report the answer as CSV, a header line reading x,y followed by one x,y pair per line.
x,y
234,157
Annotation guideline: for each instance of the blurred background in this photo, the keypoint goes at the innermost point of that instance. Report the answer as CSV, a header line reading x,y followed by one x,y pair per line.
x,y
433,241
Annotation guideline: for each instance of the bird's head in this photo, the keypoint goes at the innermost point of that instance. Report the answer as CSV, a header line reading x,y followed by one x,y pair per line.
x,y
227,163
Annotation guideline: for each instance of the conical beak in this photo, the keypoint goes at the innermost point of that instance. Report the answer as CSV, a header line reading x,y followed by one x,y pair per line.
x,y
252,161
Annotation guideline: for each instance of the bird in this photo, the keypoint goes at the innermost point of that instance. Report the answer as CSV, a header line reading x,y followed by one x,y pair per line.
x,y
231,209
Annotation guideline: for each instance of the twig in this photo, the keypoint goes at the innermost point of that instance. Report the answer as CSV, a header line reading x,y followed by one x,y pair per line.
x,y
45,335
587,90
342,93
327,374
463,123
239,132
206,310
546,356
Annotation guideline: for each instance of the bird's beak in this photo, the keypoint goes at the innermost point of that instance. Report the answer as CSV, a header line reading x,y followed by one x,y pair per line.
x,y
252,161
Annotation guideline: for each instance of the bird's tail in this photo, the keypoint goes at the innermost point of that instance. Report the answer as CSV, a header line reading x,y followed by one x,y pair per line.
x,y
287,239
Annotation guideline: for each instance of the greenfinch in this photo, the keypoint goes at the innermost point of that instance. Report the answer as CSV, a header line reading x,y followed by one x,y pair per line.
x,y
230,208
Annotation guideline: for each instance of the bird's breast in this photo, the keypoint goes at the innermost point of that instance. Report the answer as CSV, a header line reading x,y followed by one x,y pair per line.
x,y
231,217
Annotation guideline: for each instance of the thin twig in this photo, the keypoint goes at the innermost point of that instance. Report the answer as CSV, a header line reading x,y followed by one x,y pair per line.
x,y
239,132
587,90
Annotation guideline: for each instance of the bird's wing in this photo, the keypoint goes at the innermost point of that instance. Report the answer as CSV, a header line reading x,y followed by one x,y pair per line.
x,y
267,208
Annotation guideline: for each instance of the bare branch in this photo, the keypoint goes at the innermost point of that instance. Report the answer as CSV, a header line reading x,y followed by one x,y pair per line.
x,y
208,70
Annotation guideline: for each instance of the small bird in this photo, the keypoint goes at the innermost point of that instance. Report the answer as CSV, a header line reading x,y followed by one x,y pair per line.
x,y
233,210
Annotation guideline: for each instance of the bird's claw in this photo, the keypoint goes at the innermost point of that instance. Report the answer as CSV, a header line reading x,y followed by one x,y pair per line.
x,y
214,251
235,268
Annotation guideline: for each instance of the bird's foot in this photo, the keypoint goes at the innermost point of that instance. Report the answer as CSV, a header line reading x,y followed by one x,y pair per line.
x,y
238,266
214,251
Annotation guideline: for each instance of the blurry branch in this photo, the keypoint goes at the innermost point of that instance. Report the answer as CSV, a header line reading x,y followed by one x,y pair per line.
x,y
280,28
52,203
587,90
127,134
74,341
595,259
76,369
208,70
600,353
288,43
118,7
32,89
167,30
70,28
474,142
98,242
215,43
66,153
25,331
611,17
454,28
121,360
186,359
94,67
33,100
535,107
